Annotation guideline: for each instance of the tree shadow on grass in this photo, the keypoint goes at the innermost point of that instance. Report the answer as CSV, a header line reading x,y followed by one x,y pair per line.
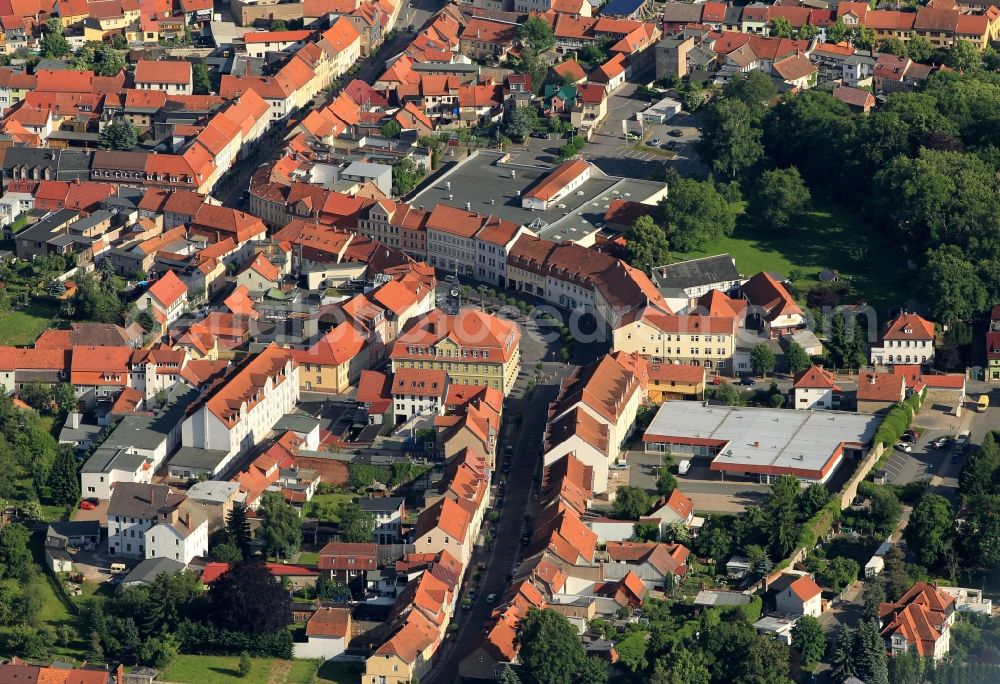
x,y
227,671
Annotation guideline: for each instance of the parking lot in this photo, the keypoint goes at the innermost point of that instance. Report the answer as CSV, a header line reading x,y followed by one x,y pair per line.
x,y
615,155
704,488
920,464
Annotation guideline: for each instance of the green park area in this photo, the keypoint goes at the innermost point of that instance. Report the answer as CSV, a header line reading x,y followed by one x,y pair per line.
x,y
826,237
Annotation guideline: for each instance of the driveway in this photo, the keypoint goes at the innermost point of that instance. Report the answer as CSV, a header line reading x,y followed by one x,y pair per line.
x,y
704,488
94,565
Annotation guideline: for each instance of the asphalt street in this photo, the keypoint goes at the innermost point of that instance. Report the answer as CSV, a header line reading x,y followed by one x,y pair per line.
x,y
502,557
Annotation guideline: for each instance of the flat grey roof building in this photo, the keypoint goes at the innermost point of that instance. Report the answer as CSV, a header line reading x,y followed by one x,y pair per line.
x,y
761,442
721,598
301,423
492,187
197,460
212,491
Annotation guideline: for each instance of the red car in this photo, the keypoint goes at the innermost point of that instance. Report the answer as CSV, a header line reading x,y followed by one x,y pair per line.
x,y
87,505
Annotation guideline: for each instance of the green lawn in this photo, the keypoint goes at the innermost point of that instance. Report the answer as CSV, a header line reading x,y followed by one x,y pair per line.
x,y
22,326
193,669
828,237
331,503
308,558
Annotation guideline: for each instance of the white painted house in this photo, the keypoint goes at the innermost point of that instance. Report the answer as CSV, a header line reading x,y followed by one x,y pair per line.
x,y
165,299
182,537
908,340
815,388
798,595
594,414
240,412
418,393
135,508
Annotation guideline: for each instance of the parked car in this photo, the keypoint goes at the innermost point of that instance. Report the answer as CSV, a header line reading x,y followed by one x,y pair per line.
x,y
954,459
963,439
466,604
653,142
87,505
908,438
670,145
539,134
491,598
676,133
747,381
903,446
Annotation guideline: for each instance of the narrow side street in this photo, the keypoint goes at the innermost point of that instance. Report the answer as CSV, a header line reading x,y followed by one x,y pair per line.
x,y
501,558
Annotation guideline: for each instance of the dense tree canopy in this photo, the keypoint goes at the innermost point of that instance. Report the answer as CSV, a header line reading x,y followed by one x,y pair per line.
x,y
630,503
280,527
647,245
780,196
118,135
550,650
695,214
928,531
356,525
247,597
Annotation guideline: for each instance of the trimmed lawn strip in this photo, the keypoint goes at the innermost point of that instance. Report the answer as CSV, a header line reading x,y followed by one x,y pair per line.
x,y
22,326
198,669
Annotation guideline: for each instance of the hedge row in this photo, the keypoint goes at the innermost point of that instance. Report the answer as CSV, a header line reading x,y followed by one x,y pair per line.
x,y
898,419
203,639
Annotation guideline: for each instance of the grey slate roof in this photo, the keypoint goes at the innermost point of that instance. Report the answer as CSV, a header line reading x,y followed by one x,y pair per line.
x,y
384,504
148,570
697,272
106,459
681,11
64,529
140,500
64,165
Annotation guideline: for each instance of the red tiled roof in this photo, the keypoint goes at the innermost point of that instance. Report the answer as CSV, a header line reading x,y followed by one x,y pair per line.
x,y
886,387
572,69
168,289
330,622
168,71
420,382
446,515
816,378
856,97
246,385
770,296
805,588
909,326
558,179
337,556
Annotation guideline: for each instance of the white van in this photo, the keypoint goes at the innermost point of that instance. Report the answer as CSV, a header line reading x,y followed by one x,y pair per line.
x,y
684,467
